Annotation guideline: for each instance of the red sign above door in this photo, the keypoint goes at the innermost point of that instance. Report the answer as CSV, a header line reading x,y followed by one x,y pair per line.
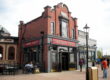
x,y
37,42
63,42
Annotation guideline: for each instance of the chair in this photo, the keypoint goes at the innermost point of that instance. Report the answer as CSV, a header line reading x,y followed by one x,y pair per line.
x,y
1,69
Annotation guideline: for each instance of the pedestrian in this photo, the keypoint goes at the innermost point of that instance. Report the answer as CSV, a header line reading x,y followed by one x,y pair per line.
x,y
101,63
105,66
81,62
108,62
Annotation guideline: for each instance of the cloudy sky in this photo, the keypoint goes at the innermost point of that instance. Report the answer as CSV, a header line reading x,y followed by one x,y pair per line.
x,y
95,13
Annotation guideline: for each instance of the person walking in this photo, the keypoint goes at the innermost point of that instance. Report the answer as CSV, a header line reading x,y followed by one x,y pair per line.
x,y
108,62
105,66
101,64
81,64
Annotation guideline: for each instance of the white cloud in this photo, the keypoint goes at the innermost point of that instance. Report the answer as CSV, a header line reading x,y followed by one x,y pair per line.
x,y
96,13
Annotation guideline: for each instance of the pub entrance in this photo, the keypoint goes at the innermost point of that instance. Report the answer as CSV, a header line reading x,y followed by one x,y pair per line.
x,y
65,61
31,54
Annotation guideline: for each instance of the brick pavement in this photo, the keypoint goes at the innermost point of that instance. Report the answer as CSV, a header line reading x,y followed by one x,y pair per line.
x,y
65,75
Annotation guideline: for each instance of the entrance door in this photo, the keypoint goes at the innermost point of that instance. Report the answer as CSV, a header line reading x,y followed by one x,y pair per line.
x,y
65,61
34,57
31,54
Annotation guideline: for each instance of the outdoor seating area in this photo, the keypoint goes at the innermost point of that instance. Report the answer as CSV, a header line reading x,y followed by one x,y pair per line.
x,y
12,69
30,68
33,70
8,69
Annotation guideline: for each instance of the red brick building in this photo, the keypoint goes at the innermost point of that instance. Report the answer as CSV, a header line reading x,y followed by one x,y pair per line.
x,y
50,40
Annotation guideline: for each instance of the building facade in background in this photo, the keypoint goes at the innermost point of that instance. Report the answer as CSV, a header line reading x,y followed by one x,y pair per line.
x,y
92,46
8,47
50,40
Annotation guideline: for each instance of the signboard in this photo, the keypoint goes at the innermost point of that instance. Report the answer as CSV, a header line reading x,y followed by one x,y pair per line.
x,y
63,42
37,42
7,40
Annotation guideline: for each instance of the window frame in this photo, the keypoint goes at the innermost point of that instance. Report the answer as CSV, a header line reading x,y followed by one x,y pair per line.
x,y
52,33
73,33
61,27
1,52
11,52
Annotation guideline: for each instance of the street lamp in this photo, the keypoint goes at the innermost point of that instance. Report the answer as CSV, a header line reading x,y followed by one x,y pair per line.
x,y
42,50
86,28
0,56
42,41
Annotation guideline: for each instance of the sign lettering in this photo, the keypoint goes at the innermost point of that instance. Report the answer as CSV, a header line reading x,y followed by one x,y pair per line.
x,y
63,42
32,43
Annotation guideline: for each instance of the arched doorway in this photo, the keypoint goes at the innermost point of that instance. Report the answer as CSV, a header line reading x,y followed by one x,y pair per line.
x,y
11,53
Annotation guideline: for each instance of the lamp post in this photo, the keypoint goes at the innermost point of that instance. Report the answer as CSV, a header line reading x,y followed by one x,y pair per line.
x,y
86,28
0,56
42,49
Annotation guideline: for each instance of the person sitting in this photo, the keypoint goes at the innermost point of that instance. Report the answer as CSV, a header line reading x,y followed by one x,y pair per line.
x,y
29,67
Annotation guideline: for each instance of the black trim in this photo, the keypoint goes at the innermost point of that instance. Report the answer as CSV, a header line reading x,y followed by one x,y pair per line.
x,y
62,38
8,37
64,19
62,45
52,36
9,43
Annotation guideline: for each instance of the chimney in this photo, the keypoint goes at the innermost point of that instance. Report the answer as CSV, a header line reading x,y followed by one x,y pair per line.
x,y
75,22
21,22
47,8
60,5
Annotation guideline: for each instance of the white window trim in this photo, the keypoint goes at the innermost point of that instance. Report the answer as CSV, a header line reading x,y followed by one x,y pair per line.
x,y
53,29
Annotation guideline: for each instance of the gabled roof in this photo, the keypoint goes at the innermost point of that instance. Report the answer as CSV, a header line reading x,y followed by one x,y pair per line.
x,y
3,31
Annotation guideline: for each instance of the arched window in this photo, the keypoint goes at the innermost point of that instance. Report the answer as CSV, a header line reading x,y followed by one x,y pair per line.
x,y
11,53
1,52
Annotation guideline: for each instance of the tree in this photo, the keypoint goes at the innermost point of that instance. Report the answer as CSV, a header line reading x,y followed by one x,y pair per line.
x,y
99,54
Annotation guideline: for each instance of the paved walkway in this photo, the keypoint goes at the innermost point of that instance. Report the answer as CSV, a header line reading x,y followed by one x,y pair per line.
x,y
65,75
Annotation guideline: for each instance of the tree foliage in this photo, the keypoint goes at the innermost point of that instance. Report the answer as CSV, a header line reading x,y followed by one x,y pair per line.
x,y
99,54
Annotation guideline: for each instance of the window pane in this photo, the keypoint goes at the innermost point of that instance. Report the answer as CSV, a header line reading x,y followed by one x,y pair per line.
x,y
53,57
52,27
71,58
64,29
53,60
73,34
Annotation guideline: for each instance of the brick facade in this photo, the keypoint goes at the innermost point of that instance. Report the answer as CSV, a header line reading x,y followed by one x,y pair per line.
x,y
42,23
31,31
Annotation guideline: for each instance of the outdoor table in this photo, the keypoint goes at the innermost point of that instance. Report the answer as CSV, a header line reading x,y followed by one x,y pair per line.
x,y
9,70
